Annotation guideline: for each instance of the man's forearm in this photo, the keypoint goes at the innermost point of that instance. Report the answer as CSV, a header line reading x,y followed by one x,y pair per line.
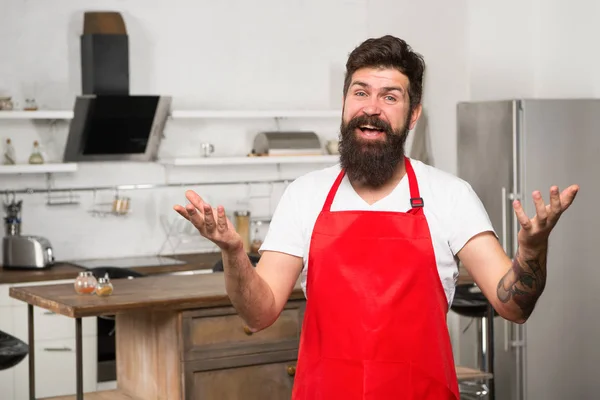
x,y
524,283
250,295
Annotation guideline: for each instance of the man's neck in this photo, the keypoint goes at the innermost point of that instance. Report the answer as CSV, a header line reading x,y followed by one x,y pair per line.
x,y
372,194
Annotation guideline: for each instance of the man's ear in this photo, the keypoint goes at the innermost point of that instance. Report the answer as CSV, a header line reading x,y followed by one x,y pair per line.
x,y
416,114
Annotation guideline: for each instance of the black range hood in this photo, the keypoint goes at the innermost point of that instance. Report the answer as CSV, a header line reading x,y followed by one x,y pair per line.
x,y
108,123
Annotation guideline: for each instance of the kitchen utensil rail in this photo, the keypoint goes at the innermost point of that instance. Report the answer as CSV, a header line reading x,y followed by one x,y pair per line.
x,y
141,186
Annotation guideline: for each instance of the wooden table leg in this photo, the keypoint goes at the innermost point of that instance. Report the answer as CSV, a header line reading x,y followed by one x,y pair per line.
x,y
31,352
79,358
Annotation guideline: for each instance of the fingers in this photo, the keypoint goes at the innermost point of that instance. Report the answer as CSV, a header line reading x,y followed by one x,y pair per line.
x,y
540,208
555,205
568,196
202,215
195,215
521,216
221,219
209,219
195,199
181,211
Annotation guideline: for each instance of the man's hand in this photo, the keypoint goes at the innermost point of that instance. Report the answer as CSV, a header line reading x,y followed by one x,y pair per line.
x,y
219,230
526,280
534,233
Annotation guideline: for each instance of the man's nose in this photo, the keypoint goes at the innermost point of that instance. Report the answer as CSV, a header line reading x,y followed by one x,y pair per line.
x,y
372,108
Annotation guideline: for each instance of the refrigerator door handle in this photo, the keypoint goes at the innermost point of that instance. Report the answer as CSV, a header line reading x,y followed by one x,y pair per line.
x,y
505,248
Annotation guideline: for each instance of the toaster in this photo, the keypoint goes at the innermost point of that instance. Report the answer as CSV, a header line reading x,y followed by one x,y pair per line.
x,y
26,252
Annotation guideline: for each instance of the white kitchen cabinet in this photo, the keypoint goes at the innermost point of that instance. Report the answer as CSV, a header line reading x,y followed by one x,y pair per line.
x,y
7,376
55,370
54,349
6,320
49,325
5,300
7,384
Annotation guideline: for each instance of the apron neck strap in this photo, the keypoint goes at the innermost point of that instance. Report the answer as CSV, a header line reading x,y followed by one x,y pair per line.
x,y
415,198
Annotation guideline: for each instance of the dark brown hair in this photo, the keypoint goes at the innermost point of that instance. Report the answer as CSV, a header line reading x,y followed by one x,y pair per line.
x,y
389,52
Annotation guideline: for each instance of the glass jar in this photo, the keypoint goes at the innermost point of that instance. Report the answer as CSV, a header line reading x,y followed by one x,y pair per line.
x,y
9,153
85,283
36,155
242,226
104,287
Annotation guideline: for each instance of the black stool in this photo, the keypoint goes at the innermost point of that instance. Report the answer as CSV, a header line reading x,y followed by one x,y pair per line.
x,y
12,351
470,302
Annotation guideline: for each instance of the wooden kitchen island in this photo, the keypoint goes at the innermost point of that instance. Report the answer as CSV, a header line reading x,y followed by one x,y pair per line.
x,y
180,338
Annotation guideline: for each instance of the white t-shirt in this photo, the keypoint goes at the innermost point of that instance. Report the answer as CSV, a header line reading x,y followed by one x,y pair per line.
x,y
453,211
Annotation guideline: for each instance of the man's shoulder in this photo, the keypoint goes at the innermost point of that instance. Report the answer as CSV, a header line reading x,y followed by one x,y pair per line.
x,y
437,179
315,181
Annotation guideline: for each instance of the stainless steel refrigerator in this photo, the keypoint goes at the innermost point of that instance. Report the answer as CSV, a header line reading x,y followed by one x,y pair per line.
x,y
506,150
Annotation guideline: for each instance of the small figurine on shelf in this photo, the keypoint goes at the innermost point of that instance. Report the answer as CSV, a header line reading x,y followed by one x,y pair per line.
x,y
9,153
36,155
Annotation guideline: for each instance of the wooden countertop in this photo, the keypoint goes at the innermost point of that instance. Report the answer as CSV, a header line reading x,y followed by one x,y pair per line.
x,y
173,292
194,261
66,270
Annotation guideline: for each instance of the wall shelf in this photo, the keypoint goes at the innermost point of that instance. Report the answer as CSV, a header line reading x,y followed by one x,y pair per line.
x,y
39,114
37,168
324,159
250,114
186,114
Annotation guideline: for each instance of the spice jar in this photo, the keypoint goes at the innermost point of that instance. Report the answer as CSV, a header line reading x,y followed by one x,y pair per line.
x,y
85,283
256,241
104,287
36,155
242,227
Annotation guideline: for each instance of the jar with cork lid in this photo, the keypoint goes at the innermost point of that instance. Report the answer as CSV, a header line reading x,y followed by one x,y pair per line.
x,y
242,227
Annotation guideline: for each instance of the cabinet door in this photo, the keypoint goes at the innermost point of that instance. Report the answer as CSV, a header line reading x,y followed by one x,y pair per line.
x,y
55,371
7,375
48,325
254,382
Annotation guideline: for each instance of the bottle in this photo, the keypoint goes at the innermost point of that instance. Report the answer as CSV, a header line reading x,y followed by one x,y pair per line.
x,y
85,283
256,242
104,287
242,227
9,153
36,155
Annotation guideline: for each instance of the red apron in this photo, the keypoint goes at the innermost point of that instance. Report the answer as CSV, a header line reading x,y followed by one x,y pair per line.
x,y
375,321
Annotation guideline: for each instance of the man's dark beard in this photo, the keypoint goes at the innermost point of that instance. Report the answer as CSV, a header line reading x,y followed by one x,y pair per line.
x,y
371,162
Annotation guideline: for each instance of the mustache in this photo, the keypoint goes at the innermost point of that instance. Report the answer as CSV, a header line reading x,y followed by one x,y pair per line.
x,y
374,121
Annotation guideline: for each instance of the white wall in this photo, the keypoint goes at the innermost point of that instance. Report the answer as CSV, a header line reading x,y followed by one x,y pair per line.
x,y
437,30
502,52
567,62
220,55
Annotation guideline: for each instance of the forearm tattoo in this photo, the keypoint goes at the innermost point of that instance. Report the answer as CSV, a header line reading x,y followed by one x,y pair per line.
x,y
524,283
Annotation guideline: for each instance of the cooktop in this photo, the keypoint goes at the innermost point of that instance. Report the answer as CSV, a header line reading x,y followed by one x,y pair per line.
x,y
127,262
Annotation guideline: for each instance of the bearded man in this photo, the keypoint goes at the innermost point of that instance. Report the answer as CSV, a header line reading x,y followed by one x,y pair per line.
x,y
376,241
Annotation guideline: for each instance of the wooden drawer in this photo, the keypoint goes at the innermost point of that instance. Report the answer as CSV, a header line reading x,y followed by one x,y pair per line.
x,y
255,377
220,332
